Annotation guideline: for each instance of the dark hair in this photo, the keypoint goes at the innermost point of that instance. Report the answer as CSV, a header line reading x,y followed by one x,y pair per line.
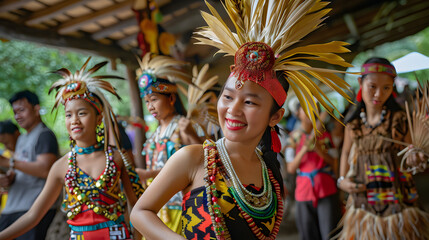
x,y
390,103
270,157
30,96
8,127
178,105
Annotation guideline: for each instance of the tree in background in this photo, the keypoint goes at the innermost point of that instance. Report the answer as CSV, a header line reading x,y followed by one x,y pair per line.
x,y
26,65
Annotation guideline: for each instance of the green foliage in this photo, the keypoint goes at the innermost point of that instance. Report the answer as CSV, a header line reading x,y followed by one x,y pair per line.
x,y
29,66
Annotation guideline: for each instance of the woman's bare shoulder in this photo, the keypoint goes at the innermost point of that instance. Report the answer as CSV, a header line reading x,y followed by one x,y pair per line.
x,y
192,154
60,167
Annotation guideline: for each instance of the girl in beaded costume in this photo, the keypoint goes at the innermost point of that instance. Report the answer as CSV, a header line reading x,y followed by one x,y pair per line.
x,y
383,202
91,173
159,91
233,188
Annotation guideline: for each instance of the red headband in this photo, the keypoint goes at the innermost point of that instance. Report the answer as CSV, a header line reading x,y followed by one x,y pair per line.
x,y
254,61
378,68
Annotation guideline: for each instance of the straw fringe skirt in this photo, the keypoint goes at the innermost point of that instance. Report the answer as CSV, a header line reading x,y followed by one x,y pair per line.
x,y
357,224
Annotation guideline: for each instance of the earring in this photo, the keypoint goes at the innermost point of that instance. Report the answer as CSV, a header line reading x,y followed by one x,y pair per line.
x,y
275,141
72,142
99,130
359,95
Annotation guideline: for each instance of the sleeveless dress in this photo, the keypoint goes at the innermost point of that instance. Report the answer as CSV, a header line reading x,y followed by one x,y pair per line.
x,y
98,211
388,209
197,222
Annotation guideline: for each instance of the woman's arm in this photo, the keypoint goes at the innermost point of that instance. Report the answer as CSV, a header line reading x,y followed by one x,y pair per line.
x,y
293,166
183,171
43,203
347,184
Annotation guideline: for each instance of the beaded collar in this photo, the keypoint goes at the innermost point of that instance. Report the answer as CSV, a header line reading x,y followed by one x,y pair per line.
x,y
87,194
214,166
87,150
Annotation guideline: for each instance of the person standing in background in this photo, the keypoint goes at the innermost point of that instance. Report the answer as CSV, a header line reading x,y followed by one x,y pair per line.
x,y
35,152
317,202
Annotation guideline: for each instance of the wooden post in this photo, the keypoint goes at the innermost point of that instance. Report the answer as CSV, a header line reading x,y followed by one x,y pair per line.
x,y
136,111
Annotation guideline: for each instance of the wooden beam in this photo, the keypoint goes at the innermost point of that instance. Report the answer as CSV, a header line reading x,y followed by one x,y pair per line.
x,y
400,13
8,5
405,21
132,21
77,23
397,33
10,30
136,111
124,41
52,11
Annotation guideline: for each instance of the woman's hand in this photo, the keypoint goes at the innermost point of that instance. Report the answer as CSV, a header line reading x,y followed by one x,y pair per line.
x,y
347,185
185,126
417,160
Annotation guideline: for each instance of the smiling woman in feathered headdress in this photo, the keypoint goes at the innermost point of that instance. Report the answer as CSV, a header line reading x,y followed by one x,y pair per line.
x,y
233,187
93,174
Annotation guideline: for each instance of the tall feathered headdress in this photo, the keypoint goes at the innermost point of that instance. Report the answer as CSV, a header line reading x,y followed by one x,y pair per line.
x,y
265,31
160,73
81,85
201,104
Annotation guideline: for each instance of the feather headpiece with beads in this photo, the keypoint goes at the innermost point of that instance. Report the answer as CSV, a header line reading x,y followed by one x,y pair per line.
x,y
81,85
160,73
265,32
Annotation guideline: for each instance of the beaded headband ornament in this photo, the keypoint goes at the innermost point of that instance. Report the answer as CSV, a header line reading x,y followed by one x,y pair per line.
x,y
160,74
254,61
149,83
81,85
378,68
265,31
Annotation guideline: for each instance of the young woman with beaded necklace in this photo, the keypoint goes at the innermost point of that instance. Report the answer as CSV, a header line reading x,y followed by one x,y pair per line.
x,y
92,177
383,199
245,115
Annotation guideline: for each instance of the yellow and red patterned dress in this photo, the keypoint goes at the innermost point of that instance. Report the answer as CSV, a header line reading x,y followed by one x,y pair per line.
x,y
202,212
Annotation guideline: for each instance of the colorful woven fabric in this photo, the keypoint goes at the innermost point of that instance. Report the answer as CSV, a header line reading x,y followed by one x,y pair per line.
x,y
197,221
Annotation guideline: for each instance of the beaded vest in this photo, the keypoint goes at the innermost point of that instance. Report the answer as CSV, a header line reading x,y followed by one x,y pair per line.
x,y
86,195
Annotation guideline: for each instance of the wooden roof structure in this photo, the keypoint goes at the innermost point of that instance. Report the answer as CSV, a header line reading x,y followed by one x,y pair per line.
x,y
109,27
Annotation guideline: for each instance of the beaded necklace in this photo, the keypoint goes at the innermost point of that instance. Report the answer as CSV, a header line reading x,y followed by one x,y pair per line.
x,y
88,150
214,165
364,120
88,194
256,202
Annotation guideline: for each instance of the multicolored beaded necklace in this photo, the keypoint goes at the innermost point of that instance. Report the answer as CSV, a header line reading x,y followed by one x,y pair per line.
x,y
87,194
214,165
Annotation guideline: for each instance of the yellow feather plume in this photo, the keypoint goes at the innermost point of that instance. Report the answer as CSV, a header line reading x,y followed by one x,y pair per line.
x,y
281,24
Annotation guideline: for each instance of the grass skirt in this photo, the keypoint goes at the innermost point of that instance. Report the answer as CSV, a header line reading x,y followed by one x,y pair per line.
x,y
358,224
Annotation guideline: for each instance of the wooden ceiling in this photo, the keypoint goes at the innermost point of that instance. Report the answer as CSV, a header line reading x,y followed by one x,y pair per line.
x,y
109,27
